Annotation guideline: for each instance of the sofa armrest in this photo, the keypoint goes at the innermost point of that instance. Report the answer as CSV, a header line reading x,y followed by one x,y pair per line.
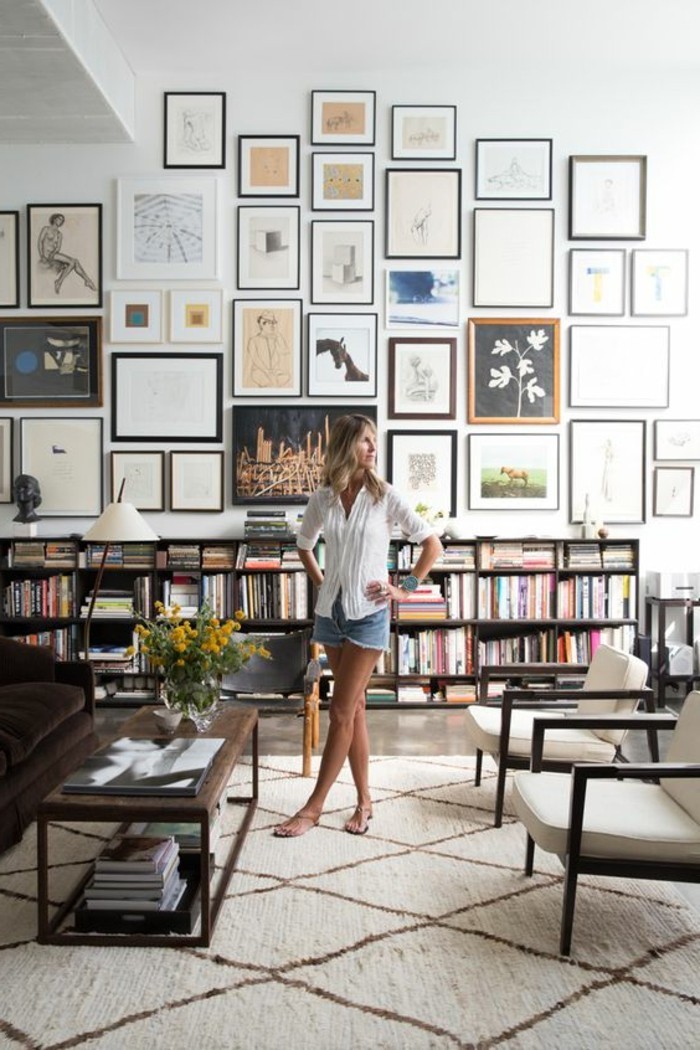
x,y
80,673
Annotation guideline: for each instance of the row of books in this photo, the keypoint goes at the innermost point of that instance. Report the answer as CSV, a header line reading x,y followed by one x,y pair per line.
x,y
597,597
50,596
119,555
577,647
183,556
517,597
63,641
516,554
453,556
436,651
37,554
273,595
534,647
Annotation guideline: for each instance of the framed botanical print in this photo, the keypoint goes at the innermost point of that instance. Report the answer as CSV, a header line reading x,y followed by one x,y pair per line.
x,y
423,132
342,355
597,281
65,454
607,469
51,362
422,377
268,165
196,316
9,259
513,257
136,316
194,129
268,246
342,261
514,169
619,366
513,370
677,439
343,118
64,255
197,481
427,298
607,198
422,464
674,492
513,472
143,475
167,397
267,347
659,282
423,213
342,181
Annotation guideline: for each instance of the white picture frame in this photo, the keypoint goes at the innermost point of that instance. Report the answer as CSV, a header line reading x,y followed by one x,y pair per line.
x,y
267,240
513,471
597,281
66,456
6,458
136,316
677,439
423,132
513,257
607,470
143,474
196,315
619,366
197,481
659,282
423,297
674,492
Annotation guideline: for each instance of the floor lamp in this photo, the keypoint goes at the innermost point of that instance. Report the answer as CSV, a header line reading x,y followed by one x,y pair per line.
x,y
120,522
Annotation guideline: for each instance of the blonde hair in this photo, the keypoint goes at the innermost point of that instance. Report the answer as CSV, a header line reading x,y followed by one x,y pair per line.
x,y
341,456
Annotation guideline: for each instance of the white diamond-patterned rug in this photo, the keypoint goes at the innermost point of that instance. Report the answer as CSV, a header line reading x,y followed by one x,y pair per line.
x,y
423,933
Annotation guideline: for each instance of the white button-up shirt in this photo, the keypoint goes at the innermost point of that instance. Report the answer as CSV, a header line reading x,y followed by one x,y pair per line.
x,y
357,545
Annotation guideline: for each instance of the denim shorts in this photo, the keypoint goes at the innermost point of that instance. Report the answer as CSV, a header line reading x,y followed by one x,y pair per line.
x,y
371,632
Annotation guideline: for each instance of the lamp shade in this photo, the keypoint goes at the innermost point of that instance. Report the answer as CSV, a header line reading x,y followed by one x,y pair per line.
x,y
120,523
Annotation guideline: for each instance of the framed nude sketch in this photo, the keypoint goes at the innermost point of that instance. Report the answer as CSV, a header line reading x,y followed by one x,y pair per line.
x,y
64,255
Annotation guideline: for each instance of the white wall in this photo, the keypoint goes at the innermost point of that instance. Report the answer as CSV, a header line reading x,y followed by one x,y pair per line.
x,y
531,91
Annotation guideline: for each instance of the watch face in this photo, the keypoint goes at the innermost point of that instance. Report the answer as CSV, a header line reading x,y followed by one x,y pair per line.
x,y
410,583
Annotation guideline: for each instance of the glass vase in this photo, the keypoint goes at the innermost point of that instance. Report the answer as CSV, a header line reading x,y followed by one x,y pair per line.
x,y
197,701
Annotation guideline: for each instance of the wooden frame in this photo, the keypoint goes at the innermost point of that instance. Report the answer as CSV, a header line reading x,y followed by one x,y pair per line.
x,y
607,465
343,118
144,474
342,181
65,454
167,228
64,256
674,492
659,282
677,439
513,169
136,316
267,338
513,472
167,397
196,315
619,366
267,242
513,370
194,129
279,450
513,257
9,259
423,213
51,362
197,481
423,132
607,198
342,262
6,459
268,165
423,378
422,297
342,355
422,464
597,281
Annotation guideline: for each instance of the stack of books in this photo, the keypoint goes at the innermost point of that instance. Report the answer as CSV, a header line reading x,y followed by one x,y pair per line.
x,y
427,602
266,523
183,556
182,590
110,604
136,873
217,557
27,554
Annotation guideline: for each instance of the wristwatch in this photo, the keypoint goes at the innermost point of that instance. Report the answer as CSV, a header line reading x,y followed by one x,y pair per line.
x,y
409,583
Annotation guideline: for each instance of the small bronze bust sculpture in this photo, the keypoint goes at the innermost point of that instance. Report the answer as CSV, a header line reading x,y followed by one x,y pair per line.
x,y
27,493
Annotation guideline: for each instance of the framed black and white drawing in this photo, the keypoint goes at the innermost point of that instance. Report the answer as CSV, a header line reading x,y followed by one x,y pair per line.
x,y
677,439
136,316
342,181
65,454
342,355
9,259
268,165
196,315
607,460
342,262
64,255
423,132
659,282
268,246
422,297
343,118
51,362
422,464
279,450
422,377
267,340
607,198
514,370
514,169
597,281
619,366
167,397
513,257
143,475
674,492
423,213
197,481
194,129
167,228
6,459
513,472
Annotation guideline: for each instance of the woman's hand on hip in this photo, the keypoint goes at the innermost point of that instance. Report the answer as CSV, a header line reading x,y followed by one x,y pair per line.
x,y
379,591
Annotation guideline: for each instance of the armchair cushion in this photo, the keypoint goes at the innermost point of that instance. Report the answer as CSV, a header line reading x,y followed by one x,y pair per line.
x,y
573,745
30,711
685,747
613,669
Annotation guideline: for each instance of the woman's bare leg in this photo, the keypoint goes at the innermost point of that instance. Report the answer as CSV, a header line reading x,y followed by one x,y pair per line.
x,y
358,757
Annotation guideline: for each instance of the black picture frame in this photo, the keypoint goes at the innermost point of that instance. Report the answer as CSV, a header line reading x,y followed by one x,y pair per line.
x,y
343,118
422,464
9,260
268,165
64,256
414,199
167,397
278,450
51,362
194,129
268,246
513,169
422,377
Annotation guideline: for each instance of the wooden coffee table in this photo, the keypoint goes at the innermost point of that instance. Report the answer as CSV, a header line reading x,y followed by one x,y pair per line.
x,y
237,727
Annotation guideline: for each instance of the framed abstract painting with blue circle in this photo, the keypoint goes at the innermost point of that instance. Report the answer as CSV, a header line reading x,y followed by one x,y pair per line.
x,y
51,362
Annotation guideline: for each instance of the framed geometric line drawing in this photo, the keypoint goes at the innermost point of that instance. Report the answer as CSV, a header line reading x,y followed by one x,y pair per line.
x,y
423,213
597,281
9,260
673,492
607,198
66,455
144,476
513,472
6,459
343,118
659,282
513,370
64,255
607,461
136,316
342,181
422,378
196,316
197,481
342,352
167,397
619,366
423,132
194,129
268,246
513,257
268,165
51,362
342,261
267,340
422,464
677,439
426,298
514,169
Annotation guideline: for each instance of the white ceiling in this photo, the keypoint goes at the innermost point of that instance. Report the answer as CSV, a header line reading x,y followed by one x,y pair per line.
x,y
48,95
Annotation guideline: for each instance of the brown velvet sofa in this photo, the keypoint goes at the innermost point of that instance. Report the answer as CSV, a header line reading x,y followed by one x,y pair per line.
x,y
47,727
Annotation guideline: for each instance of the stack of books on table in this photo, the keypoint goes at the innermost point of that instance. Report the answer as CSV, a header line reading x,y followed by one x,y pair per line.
x,y
136,873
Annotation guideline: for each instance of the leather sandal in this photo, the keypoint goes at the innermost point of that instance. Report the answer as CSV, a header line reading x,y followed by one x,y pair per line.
x,y
282,831
365,815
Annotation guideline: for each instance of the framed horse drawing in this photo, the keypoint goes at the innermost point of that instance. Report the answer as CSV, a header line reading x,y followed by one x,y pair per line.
x,y
342,357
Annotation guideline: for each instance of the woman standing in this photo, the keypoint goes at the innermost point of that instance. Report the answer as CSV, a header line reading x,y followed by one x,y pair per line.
x,y
356,511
